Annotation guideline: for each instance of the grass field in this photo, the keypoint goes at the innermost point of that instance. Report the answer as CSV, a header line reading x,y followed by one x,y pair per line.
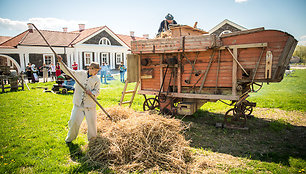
x,y
33,126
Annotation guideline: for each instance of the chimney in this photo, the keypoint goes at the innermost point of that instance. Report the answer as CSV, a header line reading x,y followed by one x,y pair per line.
x,y
81,27
65,29
146,36
132,33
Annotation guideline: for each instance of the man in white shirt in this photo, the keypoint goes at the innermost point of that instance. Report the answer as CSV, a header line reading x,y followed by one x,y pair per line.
x,y
52,67
84,106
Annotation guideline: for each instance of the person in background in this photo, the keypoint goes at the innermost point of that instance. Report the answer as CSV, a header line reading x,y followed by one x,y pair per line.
x,y
53,70
45,70
83,104
29,72
164,25
104,69
122,70
35,77
74,66
58,70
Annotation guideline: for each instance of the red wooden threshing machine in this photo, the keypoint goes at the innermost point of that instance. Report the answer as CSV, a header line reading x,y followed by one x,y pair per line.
x,y
191,68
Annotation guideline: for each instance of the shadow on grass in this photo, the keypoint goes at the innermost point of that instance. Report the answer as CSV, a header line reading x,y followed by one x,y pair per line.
x,y
270,141
77,155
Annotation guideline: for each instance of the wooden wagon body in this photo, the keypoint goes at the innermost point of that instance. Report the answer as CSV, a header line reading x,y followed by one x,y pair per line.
x,y
201,68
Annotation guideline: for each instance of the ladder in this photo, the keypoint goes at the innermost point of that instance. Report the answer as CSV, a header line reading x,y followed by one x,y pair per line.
x,y
128,92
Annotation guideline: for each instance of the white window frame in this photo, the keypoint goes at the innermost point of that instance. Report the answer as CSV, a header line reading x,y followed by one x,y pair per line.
x,y
52,58
105,41
118,57
86,63
106,58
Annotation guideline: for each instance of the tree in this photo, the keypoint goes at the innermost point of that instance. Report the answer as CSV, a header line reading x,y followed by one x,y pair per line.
x,y
300,51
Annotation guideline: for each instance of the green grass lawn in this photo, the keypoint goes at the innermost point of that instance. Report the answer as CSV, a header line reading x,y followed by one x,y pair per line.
x,y
289,94
33,126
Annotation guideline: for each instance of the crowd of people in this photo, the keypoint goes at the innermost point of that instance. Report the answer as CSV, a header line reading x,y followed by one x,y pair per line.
x,y
53,71
33,73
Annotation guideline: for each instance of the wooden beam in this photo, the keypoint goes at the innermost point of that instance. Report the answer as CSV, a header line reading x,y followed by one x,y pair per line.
x,y
235,58
243,32
253,45
179,74
161,71
192,96
139,70
234,73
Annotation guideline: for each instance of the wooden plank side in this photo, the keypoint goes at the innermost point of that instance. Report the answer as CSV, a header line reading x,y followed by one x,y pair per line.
x,y
174,44
132,68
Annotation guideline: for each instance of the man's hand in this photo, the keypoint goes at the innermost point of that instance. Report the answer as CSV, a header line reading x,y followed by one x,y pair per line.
x,y
59,58
89,92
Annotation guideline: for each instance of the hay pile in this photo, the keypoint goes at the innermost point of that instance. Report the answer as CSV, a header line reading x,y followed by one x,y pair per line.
x,y
138,142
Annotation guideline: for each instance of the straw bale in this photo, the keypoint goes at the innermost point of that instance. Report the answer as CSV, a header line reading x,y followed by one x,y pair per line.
x,y
140,142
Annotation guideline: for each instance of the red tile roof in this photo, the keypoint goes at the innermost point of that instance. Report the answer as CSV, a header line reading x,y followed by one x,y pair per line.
x,y
85,33
13,42
4,38
127,39
57,38
54,38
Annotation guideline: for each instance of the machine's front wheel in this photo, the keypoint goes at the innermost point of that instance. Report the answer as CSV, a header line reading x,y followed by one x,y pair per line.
x,y
234,118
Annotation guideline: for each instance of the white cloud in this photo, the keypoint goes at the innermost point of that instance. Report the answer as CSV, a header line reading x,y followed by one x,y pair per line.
x,y
303,37
302,40
11,27
55,24
240,1
7,24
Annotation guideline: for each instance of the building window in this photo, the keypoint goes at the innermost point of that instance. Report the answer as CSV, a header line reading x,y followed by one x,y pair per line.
x,y
118,58
48,59
88,58
104,41
225,32
104,58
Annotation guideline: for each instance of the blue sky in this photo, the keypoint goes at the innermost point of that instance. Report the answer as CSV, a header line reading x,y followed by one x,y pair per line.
x,y
144,16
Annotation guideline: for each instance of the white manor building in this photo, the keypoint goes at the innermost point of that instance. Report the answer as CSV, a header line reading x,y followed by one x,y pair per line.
x,y
84,46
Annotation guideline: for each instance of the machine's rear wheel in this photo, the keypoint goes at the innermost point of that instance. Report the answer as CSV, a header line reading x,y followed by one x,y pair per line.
x,y
151,104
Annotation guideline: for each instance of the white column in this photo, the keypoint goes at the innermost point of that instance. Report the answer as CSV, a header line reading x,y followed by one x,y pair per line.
x,y
96,57
80,59
27,59
22,63
125,58
112,61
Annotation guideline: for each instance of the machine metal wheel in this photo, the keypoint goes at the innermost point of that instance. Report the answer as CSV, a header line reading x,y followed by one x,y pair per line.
x,y
151,104
255,87
234,118
64,91
247,107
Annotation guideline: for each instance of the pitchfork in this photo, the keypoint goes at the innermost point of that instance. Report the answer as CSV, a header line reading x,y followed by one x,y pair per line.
x,y
30,25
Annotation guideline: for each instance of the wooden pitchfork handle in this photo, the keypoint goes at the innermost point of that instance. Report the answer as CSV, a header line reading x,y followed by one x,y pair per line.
x,y
70,73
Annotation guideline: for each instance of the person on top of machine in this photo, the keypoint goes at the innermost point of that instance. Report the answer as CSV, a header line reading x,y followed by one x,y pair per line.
x,y
164,25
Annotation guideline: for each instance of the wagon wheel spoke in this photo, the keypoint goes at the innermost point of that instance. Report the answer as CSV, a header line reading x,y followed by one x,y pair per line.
x,y
148,104
248,110
234,118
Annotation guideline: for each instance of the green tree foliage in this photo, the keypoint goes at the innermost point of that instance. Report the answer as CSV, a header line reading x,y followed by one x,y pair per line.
x,y
300,51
